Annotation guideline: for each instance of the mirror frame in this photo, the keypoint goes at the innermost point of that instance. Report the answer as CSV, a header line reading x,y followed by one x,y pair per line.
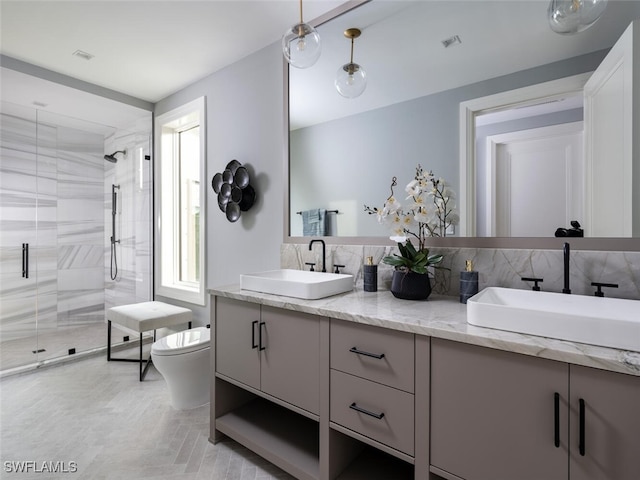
x,y
468,112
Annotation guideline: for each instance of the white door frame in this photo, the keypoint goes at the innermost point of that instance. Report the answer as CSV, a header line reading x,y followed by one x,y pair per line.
x,y
531,95
492,143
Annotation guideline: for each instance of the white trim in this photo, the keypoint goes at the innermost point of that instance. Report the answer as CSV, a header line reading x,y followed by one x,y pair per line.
x,y
470,109
169,122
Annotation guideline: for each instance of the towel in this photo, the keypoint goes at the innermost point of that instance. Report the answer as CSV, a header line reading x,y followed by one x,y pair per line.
x,y
314,222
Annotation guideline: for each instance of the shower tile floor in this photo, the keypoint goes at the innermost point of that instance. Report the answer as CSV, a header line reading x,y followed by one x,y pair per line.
x,y
56,344
98,415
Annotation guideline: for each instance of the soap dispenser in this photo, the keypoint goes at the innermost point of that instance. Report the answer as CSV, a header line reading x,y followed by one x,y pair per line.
x,y
468,282
370,276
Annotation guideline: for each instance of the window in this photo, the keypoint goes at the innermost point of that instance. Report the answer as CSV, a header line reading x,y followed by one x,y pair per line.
x,y
180,201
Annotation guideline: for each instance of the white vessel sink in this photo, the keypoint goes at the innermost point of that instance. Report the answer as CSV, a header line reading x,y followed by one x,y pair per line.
x,y
297,283
608,322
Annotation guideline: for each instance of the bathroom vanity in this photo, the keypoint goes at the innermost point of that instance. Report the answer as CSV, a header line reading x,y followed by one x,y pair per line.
x,y
363,385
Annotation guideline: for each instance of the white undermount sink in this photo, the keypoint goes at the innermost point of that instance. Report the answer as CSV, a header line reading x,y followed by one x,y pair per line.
x,y
608,322
297,283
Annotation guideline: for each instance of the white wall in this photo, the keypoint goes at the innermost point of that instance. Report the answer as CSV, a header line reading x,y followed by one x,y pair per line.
x,y
245,118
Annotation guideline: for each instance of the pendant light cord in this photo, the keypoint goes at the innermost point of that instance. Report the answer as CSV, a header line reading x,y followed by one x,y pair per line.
x,y
301,21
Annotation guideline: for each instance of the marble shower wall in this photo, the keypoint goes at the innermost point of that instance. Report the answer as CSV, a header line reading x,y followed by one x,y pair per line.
x,y
55,195
496,267
132,173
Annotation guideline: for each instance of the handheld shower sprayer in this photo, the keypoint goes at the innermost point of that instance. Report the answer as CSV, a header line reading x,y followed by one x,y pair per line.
x,y
112,158
114,211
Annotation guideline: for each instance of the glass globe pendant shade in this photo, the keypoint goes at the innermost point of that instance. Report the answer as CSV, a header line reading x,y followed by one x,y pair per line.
x,y
301,45
572,16
351,80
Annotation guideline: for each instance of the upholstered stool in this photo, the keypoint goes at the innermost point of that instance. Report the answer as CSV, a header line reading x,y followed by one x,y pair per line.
x,y
143,317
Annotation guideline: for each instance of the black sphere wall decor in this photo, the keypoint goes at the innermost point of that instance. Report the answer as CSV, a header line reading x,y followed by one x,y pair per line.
x,y
235,194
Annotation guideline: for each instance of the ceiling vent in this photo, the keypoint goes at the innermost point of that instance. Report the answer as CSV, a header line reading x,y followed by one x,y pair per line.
x,y
449,42
83,55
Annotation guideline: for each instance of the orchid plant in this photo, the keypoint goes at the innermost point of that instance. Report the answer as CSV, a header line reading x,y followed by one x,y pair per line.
x,y
431,211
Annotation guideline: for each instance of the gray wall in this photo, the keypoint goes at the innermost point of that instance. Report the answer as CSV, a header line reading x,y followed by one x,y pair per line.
x,y
244,105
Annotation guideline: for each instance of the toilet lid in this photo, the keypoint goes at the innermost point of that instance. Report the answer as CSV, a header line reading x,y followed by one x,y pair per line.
x,y
182,342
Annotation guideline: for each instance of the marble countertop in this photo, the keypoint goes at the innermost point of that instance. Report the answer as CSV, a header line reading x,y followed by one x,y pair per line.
x,y
441,317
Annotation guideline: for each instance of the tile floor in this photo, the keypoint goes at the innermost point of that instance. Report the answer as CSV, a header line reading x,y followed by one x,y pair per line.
x,y
98,415
56,343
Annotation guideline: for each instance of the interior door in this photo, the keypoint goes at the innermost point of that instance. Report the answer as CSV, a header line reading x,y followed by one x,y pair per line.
x,y
612,151
538,181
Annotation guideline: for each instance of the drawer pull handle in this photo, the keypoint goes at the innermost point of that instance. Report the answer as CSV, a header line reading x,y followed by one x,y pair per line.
x,y
355,407
379,356
582,440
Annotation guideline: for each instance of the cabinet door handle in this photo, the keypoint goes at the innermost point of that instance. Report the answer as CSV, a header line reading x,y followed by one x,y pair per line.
x,y
582,443
253,334
23,258
379,356
355,407
556,419
262,347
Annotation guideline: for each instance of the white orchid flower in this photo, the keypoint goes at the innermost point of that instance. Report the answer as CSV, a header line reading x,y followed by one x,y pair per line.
x,y
392,205
421,215
413,188
398,238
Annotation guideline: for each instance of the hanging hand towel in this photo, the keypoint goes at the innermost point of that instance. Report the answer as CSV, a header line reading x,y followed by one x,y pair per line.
x,y
313,222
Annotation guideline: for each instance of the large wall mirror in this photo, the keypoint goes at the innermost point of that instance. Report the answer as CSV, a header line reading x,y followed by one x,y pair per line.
x,y
344,152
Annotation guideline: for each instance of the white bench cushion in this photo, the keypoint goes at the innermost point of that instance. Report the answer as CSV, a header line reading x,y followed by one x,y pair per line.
x,y
146,316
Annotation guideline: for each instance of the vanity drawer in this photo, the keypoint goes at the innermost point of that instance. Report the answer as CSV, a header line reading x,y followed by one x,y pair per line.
x,y
395,428
351,342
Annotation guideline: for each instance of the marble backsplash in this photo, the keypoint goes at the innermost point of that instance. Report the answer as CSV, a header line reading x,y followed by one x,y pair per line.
x,y
495,267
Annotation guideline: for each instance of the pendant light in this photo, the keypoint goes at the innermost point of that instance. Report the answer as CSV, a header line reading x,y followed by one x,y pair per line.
x,y
301,44
567,17
351,79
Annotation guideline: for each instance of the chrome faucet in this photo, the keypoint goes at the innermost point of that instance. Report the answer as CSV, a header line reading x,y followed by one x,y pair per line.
x,y
567,250
324,250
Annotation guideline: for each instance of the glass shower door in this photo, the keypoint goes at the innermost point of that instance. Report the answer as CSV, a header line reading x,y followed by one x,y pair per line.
x,y
18,236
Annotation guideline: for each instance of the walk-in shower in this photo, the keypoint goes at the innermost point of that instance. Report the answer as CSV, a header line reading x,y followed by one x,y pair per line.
x,y
55,199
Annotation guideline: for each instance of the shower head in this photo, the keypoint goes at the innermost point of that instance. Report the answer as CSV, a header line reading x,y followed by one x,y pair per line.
x,y
112,158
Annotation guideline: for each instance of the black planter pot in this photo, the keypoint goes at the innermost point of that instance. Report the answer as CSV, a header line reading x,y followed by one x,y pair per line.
x,y
410,285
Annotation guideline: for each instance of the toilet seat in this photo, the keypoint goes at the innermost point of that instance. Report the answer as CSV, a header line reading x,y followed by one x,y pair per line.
x,y
182,342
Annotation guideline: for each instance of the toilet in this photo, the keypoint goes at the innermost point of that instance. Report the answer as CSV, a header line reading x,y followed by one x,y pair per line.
x,y
183,360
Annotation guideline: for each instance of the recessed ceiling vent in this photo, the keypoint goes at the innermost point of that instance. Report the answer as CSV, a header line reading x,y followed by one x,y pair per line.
x,y
451,41
83,55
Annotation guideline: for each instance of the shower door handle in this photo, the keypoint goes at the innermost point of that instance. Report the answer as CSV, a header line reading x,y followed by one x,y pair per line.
x,y
25,260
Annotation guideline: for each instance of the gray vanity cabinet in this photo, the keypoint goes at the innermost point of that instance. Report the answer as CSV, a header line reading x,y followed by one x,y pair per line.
x,y
610,446
237,356
272,350
502,415
372,383
493,414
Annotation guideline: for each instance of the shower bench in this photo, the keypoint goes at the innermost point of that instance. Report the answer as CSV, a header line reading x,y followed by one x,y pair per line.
x,y
143,317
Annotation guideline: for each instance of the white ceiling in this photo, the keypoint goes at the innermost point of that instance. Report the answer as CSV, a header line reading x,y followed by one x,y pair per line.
x,y
146,49
151,49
